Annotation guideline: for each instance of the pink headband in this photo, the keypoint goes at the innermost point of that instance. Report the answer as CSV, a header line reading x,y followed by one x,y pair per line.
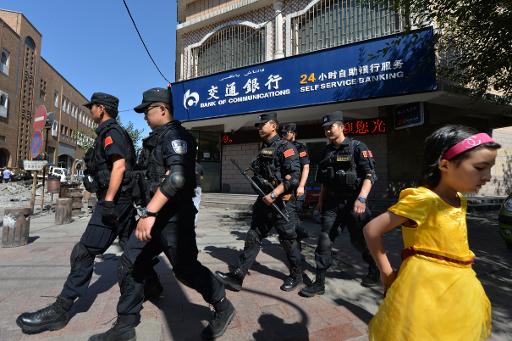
x,y
467,144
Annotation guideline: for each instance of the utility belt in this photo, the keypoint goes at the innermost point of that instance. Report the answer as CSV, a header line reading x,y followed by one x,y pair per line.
x,y
101,180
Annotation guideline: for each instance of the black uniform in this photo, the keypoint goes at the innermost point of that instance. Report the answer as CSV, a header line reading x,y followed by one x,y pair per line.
x,y
304,160
173,233
107,222
277,158
342,172
112,140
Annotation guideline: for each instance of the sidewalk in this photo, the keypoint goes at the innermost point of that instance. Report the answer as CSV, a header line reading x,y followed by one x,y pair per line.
x,y
31,273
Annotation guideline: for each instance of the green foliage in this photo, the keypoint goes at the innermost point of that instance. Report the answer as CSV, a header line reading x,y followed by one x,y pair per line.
x,y
135,134
475,34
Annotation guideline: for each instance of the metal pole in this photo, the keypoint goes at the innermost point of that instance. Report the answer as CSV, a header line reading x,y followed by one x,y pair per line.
x,y
34,184
44,168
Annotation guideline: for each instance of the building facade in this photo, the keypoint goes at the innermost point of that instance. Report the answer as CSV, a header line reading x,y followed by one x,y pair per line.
x,y
27,83
228,39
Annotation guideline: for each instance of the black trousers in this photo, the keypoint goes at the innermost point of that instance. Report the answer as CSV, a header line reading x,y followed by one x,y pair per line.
x,y
336,213
174,234
96,239
264,218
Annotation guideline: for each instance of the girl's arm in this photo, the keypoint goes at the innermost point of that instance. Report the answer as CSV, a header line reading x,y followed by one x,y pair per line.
x,y
373,232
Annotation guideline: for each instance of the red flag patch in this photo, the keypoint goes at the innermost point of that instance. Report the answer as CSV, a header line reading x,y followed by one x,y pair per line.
x,y
303,154
108,141
289,152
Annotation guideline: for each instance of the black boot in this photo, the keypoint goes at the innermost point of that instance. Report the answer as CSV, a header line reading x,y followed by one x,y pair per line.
x,y
222,317
232,280
122,330
372,278
53,317
317,288
291,282
152,288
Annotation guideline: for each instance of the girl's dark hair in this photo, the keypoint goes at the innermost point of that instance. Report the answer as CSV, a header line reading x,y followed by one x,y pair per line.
x,y
439,142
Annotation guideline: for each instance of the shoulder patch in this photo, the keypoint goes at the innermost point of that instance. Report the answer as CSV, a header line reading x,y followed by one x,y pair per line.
x,y
366,153
179,146
289,152
108,141
303,154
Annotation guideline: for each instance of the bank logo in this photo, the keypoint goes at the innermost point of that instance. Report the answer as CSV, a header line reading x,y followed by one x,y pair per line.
x,y
190,99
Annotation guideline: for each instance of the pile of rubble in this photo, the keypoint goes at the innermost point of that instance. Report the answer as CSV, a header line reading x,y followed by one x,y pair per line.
x,y
18,194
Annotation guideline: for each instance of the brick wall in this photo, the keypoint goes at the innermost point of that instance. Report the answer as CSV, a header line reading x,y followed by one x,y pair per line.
x,y
232,180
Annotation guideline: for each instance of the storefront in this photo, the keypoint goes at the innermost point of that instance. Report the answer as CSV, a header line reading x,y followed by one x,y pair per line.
x,y
386,87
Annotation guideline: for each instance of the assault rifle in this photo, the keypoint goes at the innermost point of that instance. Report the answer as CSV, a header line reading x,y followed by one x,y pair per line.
x,y
258,189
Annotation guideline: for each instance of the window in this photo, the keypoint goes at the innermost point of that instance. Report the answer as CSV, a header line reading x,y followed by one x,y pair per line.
x,y
56,99
332,23
4,62
231,47
4,104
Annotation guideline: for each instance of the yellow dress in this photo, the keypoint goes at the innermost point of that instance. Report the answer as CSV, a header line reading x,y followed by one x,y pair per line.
x,y
434,297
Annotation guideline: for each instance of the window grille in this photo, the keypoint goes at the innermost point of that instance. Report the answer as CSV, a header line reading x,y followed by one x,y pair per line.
x,y
232,47
337,22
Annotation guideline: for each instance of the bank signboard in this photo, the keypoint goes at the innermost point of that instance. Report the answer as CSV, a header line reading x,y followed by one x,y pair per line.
x,y
390,66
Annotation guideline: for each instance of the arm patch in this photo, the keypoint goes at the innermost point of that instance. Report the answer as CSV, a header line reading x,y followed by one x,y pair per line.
x,y
108,141
303,154
289,152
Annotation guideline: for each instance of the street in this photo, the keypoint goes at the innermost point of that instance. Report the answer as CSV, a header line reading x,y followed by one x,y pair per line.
x,y
33,275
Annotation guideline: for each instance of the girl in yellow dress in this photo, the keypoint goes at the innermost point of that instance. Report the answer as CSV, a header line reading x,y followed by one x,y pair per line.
x,y
435,295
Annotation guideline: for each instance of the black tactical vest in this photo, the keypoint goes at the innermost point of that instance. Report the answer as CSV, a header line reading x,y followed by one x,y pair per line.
x,y
151,160
338,170
98,165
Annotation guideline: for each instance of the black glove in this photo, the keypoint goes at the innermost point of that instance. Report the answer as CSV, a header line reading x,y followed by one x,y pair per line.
x,y
108,213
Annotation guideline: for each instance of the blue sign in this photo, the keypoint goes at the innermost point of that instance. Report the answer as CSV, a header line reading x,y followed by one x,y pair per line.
x,y
390,66
37,144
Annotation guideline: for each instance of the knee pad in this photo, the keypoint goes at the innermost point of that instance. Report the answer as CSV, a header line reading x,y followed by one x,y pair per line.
x,y
80,255
324,242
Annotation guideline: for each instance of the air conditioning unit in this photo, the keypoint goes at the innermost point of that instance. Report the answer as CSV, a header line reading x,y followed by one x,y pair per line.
x,y
55,128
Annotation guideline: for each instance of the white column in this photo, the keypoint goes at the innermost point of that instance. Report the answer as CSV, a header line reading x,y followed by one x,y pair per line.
x,y
278,46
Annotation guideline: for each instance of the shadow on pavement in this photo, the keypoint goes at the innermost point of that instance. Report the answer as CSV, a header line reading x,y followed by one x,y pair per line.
x,y
493,265
183,317
274,328
361,313
230,257
106,269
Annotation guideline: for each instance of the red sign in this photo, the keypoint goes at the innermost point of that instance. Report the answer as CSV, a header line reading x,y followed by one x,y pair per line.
x,y
40,118
227,139
370,126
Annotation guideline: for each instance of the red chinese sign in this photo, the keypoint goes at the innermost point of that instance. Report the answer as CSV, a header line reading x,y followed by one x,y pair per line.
x,y
372,126
227,139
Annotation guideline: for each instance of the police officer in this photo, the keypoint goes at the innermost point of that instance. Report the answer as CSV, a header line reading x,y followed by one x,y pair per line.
x,y
289,133
109,163
347,175
166,223
277,171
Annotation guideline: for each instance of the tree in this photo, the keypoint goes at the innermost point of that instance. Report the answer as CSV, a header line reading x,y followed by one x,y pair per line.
x,y
477,34
135,134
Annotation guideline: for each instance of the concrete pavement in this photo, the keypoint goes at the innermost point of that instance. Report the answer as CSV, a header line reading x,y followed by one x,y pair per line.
x,y
32,274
